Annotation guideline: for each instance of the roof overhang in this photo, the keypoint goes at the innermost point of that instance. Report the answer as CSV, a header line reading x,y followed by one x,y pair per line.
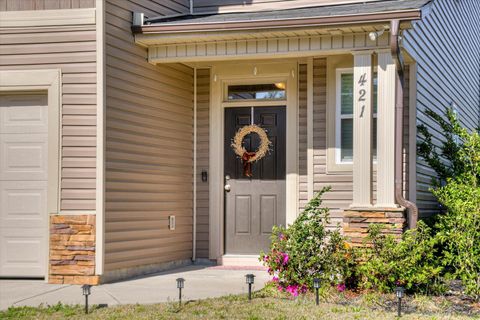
x,y
188,42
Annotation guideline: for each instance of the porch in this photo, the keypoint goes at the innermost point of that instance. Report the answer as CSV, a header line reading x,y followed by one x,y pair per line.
x,y
329,86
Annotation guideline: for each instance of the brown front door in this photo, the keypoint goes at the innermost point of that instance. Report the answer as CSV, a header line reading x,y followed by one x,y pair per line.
x,y
253,205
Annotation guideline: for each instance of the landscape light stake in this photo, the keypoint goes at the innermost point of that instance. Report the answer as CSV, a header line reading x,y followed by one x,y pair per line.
x,y
86,289
250,279
316,285
180,286
399,291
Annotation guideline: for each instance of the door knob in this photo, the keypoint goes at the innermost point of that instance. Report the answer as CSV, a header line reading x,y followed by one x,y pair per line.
x,y
227,188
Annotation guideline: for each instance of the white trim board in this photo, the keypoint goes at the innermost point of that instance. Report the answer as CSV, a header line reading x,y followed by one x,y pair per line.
x,y
48,81
45,18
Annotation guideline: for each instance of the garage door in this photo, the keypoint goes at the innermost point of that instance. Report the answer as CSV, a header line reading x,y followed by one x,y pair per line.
x,y
23,185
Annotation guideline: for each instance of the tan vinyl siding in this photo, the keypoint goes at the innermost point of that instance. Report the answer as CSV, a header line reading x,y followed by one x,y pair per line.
x,y
203,108
19,5
71,49
445,45
149,143
258,5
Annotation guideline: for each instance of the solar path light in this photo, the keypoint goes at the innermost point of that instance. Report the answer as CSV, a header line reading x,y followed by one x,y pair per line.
x,y
399,292
316,286
250,279
180,286
86,290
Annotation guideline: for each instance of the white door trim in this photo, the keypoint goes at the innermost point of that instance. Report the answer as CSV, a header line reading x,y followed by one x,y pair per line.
x,y
245,72
48,81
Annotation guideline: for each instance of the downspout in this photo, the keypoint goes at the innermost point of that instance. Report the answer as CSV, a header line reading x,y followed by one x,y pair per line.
x,y
194,237
399,85
191,6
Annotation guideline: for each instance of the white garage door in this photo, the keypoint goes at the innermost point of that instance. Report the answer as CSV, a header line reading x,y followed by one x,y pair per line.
x,y
23,185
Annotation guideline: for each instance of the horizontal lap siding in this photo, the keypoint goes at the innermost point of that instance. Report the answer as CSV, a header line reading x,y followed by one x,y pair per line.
x,y
446,46
149,143
203,107
19,5
71,49
340,197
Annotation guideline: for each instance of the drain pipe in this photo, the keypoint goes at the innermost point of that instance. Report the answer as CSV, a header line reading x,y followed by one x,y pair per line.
x,y
194,236
399,85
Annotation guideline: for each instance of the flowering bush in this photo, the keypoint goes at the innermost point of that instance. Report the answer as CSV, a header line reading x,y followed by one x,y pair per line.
x,y
308,249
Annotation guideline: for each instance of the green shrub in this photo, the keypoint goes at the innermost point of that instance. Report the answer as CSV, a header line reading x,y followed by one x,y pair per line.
x,y
459,233
458,168
410,262
309,249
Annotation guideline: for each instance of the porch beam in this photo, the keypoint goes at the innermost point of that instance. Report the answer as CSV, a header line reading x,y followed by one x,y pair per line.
x,y
291,47
362,129
386,131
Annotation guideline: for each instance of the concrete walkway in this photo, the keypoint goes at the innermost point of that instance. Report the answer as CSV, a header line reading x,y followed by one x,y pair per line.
x,y
200,282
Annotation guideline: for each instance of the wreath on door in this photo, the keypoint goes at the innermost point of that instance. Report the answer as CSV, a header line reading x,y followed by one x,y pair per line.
x,y
250,157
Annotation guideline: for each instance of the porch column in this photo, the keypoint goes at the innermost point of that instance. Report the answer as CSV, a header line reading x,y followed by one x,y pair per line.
x,y
362,129
386,131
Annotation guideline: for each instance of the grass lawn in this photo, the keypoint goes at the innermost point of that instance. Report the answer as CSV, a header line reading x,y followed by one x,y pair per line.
x,y
267,305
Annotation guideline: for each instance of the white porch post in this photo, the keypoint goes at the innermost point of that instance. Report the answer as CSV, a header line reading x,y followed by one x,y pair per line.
x,y
386,131
362,129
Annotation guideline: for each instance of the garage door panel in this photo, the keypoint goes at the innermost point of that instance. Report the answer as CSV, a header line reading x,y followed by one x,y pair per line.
x,y
23,157
23,185
23,204
22,253
24,114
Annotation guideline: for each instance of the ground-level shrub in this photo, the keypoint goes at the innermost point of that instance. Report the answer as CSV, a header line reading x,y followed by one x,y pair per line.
x,y
308,249
411,262
457,165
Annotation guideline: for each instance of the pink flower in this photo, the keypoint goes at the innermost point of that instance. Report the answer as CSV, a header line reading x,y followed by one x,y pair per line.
x,y
281,237
270,270
265,258
285,258
293,290
341,287
275,279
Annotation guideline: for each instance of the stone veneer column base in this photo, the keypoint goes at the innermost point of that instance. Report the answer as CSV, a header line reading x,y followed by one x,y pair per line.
x,y
72,250
356,222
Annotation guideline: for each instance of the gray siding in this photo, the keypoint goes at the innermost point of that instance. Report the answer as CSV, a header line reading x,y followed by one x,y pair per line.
x,y
149,143
19,5
446,46
73,50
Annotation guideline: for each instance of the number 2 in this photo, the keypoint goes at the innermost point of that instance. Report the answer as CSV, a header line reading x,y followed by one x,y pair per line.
x,y
362,93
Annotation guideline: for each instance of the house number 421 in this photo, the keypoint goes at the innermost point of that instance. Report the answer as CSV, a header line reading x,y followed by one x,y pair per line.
x,y
362,92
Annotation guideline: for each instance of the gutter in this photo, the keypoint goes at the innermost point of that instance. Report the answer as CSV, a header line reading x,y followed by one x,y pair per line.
x,y
399,86
404,15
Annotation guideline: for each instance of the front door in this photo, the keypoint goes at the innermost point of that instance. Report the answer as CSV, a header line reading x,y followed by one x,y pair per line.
x,y
253,205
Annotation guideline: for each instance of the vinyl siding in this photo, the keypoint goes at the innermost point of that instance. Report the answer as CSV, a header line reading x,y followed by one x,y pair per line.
x,y
71,49
258,5
203,109
341,194
19,5
446,45
149,143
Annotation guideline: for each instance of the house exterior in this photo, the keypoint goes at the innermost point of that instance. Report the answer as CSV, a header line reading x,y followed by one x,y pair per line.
x,y
117,119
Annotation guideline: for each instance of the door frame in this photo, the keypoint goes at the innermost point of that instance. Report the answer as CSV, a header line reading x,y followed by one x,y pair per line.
x,y
47,82
246,73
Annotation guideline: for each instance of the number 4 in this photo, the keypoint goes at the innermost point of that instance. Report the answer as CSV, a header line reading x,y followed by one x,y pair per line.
x,y
363,79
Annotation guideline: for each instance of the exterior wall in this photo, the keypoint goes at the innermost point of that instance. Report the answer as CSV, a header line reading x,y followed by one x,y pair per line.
x,y
19,5
72,249
445,44
258,5
71,49
203,109
149,143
